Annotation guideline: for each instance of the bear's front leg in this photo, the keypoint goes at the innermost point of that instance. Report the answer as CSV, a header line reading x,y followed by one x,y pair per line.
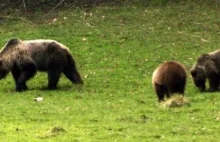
x,y
22,74
213,82
19,86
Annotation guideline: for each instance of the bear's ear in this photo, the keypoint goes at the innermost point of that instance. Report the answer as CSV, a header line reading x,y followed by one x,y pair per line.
x,y
193,73
206,55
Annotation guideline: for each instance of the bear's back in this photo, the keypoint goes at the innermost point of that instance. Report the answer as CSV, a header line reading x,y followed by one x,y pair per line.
x,y
169,72
38,50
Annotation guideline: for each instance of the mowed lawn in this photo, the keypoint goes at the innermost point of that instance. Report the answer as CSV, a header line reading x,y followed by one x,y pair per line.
x,y
116,49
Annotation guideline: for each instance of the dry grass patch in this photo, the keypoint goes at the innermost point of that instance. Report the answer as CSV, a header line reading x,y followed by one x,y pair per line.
x,y
176,101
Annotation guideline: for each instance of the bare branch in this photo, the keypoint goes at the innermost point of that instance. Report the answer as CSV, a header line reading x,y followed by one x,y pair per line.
x,y
202,39
24,5
54,7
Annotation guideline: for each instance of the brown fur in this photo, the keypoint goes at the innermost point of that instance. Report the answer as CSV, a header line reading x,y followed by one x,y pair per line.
x,y
169,78
207,66
24,57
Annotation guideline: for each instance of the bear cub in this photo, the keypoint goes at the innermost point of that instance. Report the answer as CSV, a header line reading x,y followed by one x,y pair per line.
x,y
169,78
24,57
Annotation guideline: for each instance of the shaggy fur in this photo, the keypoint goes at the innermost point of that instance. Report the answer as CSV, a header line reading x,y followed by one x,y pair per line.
x,y
24,58
207,66
169,78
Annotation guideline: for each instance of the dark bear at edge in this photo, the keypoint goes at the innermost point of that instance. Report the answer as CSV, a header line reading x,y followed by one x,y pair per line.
x,y
169,78
207,67
24,57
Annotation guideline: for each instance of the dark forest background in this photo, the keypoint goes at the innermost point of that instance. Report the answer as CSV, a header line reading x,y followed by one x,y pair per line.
x,y
30,5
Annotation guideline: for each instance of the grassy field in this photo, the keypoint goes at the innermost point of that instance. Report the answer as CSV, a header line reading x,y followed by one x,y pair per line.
x,y
116,48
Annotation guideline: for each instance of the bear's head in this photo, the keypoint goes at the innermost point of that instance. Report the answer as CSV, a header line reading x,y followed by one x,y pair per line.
x,y
3,69
199,78
198,71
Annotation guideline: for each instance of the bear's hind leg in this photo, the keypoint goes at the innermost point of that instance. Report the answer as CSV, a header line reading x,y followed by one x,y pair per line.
x,y
53,78
73,75
160,91
71,72
177,87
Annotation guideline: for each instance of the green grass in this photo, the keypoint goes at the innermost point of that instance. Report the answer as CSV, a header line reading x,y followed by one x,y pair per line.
x,y
116,49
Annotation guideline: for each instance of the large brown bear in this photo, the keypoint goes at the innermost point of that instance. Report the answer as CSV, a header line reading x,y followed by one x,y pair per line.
x,y
24,57
207,66
169,78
